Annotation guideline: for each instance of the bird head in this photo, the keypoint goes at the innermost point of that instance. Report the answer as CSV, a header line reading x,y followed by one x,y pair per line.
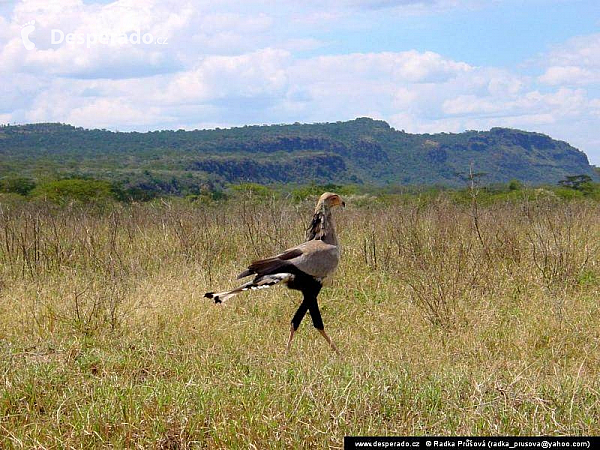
x,y
328,200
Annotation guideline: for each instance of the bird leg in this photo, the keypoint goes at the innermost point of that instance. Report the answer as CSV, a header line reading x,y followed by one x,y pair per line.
x,y
331,344
296,320
309,304
289,344
315,315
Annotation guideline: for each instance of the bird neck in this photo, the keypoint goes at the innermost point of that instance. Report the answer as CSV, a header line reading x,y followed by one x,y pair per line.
x,y
329,236
322,227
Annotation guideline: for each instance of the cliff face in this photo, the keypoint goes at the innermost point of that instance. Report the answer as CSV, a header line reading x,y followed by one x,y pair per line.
x,y
361,150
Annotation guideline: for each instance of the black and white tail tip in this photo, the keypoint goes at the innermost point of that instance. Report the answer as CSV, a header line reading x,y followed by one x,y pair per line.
x,y
263,282
213,296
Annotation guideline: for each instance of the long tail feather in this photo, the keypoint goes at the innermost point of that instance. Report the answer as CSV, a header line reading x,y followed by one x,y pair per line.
x,y
263,282
276,264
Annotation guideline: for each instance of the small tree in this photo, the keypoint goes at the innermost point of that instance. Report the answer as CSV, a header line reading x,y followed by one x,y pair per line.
x,y
515,185
577,182
17,185
81,190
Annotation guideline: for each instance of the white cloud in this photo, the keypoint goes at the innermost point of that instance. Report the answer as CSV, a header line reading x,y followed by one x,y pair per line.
x,y
576,62
581,50
260,73
387,67
563,102
469,104
18,91
232,64
185,31
557,75
105,112
405,98
302,44
89,22
402,6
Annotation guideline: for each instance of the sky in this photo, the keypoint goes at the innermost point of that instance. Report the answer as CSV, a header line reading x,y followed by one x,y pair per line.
x,y
424,66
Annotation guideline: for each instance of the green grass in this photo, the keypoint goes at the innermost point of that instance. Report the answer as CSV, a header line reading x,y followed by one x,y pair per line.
x,y
107,341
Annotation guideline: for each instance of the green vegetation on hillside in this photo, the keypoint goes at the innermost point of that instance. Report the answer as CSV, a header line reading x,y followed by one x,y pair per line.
x,y
360,152
91,191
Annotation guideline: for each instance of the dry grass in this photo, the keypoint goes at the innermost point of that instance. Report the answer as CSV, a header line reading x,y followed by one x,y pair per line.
x,y
105,338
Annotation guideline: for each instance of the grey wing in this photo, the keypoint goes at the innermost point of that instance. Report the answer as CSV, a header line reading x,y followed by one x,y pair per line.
x,y
318,259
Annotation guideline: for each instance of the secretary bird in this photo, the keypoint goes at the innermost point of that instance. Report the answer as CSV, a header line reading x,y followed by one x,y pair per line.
x,y
301,268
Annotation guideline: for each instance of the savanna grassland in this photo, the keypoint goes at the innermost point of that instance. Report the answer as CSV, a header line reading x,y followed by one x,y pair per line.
x,y
452,318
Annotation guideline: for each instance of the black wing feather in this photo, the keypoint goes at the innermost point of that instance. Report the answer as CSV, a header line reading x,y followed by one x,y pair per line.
x,y
270,265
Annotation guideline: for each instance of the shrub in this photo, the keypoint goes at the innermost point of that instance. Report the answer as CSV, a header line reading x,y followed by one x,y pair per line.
x,y
252,189
515,185
17,185
80,190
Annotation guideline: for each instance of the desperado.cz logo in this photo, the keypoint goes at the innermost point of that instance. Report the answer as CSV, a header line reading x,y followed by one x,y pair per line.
x,y
59,37
26,30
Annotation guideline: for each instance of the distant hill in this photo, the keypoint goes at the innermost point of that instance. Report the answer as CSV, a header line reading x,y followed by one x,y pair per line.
x,y
359,151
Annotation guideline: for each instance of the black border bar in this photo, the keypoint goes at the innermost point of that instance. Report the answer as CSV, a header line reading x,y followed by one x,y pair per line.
x,y
471,442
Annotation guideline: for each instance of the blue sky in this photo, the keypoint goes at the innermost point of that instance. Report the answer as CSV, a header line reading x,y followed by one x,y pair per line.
x,y
423,66
499,33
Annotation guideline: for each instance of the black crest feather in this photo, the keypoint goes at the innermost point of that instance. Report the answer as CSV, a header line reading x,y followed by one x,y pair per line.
x,y
315,230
